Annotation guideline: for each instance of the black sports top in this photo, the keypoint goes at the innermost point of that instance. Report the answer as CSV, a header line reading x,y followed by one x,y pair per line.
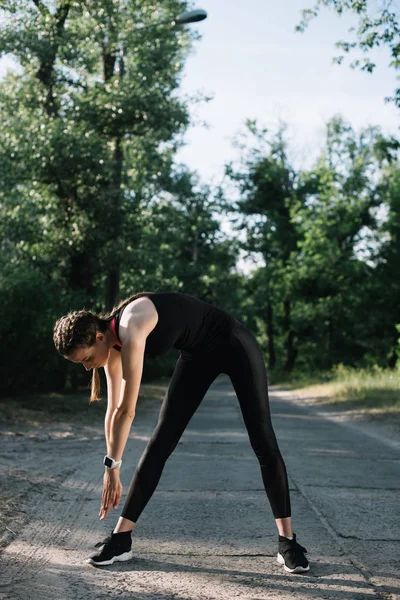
x,y
184,322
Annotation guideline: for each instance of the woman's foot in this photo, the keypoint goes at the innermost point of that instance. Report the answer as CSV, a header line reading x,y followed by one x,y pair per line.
x,y
291,555
116,547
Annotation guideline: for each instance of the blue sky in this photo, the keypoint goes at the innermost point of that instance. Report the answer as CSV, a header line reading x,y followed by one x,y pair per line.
x,y
256,66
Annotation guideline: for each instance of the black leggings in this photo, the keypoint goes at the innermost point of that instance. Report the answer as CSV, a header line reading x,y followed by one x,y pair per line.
x,y
241,359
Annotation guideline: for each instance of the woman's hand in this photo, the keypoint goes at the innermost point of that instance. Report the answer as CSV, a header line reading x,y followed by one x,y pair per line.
x,y
112,491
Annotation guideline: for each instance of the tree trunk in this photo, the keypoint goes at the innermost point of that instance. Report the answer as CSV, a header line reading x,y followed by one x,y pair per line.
x,y
115,225
80,275
112,288
81,268
291,351
394,355
113,277
271,341
195,256
330,343
46,69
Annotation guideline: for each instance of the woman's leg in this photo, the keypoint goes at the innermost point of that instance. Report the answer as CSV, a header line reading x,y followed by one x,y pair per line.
x,y
189,383
246,369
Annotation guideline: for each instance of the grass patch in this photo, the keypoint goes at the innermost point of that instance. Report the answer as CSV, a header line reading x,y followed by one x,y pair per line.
x,y
373,390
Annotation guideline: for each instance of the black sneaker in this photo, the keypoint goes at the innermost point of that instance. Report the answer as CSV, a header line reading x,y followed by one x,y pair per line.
x,y
117,547
291,555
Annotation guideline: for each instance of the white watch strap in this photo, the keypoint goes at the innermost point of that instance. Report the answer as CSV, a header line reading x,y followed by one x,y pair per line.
x,y
115,463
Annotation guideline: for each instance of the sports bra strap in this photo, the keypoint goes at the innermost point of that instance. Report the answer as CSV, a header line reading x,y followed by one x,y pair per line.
x,y
114,331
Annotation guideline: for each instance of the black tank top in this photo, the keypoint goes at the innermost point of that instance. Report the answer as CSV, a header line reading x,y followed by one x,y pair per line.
x,y
185,323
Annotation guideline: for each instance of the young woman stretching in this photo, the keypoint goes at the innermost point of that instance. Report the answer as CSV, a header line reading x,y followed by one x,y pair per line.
x,y
211,341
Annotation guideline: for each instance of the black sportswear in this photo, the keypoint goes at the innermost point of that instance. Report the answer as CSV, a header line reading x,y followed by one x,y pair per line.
x,y
185,323
211,342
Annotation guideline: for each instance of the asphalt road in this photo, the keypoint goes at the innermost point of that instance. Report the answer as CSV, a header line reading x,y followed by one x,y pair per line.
x,y
208,532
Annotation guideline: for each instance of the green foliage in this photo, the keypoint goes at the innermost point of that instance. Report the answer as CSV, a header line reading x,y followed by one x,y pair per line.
x,y
92,207
328,289
29,307
83,123
88,129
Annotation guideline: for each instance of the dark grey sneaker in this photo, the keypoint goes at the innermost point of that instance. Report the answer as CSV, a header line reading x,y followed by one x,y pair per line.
x,y
116,547
291,555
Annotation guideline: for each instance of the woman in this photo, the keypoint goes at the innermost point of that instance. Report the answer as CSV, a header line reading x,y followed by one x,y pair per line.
x,y
210,342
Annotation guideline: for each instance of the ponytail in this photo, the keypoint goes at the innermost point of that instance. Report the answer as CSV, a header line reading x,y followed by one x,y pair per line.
x,y
95,395
96,388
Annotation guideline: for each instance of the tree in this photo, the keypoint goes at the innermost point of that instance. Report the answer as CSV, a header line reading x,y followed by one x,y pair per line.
x,y
89,123
323,288
388,260
181,226
96,97
266,184
336,279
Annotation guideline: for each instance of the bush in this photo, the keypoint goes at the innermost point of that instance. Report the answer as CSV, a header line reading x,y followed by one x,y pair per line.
x,y
29,308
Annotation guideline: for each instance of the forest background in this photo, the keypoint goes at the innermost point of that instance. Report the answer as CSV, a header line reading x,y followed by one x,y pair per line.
x,y
94,206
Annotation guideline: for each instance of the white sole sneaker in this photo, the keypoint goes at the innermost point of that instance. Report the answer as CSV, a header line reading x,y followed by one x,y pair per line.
x,y
281,561
119,558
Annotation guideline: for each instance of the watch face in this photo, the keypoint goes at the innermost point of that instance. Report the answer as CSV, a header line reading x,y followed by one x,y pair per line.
x,y
108,462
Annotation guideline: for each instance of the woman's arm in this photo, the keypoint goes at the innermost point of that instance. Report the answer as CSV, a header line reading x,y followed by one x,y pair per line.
x,y
115,389
135,326
132,356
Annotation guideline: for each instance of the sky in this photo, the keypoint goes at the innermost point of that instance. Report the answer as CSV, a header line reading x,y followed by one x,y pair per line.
x,y
255,66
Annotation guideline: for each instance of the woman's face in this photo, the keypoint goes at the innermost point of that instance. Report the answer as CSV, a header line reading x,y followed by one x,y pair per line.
x,y
94,356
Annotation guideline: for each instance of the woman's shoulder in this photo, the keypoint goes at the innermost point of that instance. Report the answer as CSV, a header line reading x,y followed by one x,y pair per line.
x,y
141,313
132,305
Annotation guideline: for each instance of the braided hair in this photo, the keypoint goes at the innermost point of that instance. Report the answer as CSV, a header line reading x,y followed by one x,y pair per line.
x,y
79,328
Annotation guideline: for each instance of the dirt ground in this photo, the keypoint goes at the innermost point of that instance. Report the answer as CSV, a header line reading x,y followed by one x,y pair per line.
x,y
200,536
25,425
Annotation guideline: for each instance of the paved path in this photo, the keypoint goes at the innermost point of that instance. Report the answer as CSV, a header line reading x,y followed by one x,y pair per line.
x,y
208,532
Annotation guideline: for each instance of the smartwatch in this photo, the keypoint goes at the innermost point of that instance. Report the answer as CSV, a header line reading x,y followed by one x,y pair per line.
x,y
111,463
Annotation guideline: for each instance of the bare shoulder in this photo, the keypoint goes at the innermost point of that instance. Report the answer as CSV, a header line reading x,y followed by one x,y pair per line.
x,y
138,318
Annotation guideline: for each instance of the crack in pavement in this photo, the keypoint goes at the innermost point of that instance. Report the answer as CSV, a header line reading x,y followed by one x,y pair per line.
x,y
364,572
